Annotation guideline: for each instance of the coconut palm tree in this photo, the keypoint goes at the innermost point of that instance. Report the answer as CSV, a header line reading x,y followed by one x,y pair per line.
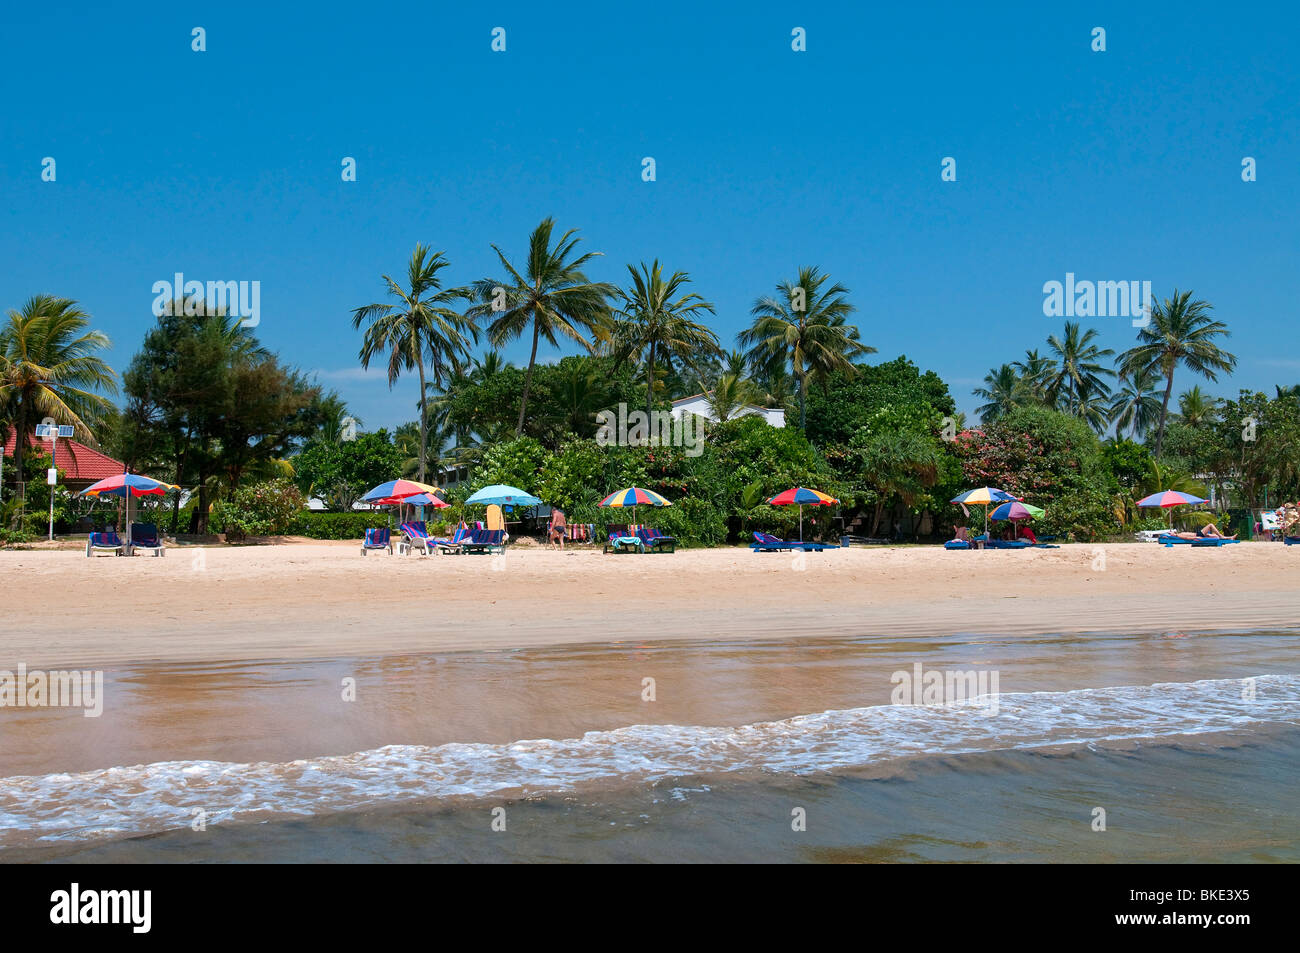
x,y
805,328
1035,371
656,324
1181,332
50,367
730,395
422,325
1135,405
1197,409
1077,371
552,295
1004,390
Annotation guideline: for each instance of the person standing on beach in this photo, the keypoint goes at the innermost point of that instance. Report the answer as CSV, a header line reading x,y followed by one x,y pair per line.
x,y
555,530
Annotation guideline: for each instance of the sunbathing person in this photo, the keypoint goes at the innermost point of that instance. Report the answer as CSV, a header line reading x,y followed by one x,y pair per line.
x,y
961,535
1027,533
1210,531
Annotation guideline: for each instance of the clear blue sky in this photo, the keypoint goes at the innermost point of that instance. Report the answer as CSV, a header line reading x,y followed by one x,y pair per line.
x,y
225,164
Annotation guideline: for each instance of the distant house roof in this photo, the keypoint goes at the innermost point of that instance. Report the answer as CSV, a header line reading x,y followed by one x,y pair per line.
x,y
79,463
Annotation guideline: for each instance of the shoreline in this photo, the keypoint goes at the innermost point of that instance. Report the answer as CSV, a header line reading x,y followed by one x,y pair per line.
x,y
320,601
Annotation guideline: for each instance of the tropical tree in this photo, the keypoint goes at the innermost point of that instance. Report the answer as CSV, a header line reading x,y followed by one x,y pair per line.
x,y
552,295
1035,371
729,396
1135,405
50,367
421,325
1180,332
1198,409
805,328
1004,390
657,327
1077,372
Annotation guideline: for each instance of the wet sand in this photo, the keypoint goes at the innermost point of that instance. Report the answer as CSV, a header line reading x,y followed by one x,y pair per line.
x,y
324,601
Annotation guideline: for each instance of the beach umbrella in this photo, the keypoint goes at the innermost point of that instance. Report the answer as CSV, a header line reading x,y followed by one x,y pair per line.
x,y
634,496
1016,510
398,490
129,485
1167,499
983,495
503,495
802,496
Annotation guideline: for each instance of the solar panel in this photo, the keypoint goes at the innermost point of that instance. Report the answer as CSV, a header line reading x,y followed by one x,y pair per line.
x,y
43,430
66,430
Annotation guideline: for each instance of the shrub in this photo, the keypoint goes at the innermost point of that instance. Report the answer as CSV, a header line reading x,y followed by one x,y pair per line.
x,y
262,509
335,525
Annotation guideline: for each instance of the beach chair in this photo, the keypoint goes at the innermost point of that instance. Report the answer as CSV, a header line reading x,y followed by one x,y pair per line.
x,y
452,547
145,536
657,541
767,543
621,541
957,544
415,535
107,541
484,541
377,539
1006,544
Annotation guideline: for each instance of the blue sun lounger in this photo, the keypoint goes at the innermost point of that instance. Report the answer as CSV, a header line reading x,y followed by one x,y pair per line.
x,y
1213,541
657,541
145,536
484,541
415,535
377,539
767,543
105,542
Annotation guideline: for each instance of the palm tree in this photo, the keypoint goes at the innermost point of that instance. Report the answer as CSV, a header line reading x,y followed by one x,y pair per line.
x,y
805,328
420,325
553,295
1180,332
1135,404
1035,371
656,326
729,395
1003,391
1077,370
1196,408
49,367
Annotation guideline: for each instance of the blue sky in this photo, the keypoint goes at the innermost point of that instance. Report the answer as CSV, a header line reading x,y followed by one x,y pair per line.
x,y
225,164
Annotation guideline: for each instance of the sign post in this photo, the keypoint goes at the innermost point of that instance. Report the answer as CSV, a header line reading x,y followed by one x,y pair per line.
x,y
52,432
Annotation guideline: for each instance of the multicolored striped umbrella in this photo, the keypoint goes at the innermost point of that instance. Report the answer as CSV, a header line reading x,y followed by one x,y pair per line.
x,y
420,499
1169,498
983,495
634,496
1016,510
802,496
397,490
129,485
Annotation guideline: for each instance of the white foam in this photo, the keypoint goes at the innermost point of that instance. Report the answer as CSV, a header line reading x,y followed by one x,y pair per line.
x,y
130,800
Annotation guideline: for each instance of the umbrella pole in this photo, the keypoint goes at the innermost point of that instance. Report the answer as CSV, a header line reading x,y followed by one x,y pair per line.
x,y
801,522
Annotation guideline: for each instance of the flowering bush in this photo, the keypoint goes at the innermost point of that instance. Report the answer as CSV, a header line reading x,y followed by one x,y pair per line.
x,y
262,509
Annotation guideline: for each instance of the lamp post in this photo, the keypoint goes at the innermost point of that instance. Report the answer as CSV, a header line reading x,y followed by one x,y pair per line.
x,y
52,432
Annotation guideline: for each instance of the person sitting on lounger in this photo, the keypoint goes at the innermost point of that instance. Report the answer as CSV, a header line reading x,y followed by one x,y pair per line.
x,y
1027,533
555,532
961,535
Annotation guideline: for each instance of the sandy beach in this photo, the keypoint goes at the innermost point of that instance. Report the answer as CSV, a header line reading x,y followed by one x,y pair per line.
x,y
323,600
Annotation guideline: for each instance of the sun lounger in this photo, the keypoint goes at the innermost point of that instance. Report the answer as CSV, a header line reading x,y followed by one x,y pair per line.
x,y
484,541
624,544
767,543
957,544
145,536
105,542
1006,544
415,535
1204,541
377,539
657,541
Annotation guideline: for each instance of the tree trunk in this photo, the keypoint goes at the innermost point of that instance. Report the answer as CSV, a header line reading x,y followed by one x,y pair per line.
x,y
424,423
803,408
528,381
649,385
1164,412
20,445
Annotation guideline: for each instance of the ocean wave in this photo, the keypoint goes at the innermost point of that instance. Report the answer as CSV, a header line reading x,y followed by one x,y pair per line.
x,y
126,801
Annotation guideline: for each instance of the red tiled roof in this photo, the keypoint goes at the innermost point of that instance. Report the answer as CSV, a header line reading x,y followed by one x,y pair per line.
x,y
77,461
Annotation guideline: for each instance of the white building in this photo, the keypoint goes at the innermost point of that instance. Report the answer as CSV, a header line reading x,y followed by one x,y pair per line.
x,y
698,404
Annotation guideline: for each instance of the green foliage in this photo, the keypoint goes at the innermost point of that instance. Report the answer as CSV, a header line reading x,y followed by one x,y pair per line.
x,y
261,509
1052,460
847,403
515,463
336,525
341,472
